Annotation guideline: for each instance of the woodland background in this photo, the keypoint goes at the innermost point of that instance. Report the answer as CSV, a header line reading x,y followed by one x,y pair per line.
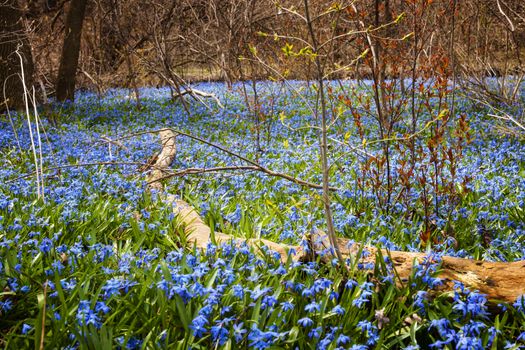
x,y
154,42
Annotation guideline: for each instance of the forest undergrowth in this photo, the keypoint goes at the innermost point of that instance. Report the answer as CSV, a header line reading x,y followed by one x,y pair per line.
x,y
99,261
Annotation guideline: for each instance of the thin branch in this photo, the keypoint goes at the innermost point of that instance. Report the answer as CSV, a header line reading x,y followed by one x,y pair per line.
x,y
288,37
512,28
113,142
347,66
26,102
291,11
196,171
510,118
257,165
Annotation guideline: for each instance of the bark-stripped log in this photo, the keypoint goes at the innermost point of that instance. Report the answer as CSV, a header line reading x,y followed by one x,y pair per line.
x,y
500,281
196,94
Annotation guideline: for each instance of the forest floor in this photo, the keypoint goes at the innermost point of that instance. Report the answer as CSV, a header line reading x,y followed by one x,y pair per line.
x,y
91,258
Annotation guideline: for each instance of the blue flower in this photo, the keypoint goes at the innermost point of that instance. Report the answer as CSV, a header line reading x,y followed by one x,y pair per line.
x,y
419,300
312,307
219,334
260,340
86,316
58,266
358,347
338,309
343,339
363,298
288,284
305,322
520,303
475,304
442,325
68,285
131,344
268,301
46,245
5,306
321,284
308,292
115,285
371,331
198,326
287,306
473,328
101,306
235,217
351,284
469,343
324,343
315,332
258,292
26,328
492,331
239,332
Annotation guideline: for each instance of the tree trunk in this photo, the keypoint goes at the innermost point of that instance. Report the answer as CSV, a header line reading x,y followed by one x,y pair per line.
x,y
500,281
65,86
13,37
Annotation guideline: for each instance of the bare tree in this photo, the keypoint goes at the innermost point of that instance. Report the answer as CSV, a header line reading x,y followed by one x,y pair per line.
x,y
492,63
65,86
13,38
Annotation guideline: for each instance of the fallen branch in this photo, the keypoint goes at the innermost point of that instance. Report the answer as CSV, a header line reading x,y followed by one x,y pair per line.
x,y
109,141
256,166
196,94
508,117
197,232
195,171
500,281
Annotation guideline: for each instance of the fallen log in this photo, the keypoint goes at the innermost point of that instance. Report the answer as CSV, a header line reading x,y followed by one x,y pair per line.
x,y
500,281
196,94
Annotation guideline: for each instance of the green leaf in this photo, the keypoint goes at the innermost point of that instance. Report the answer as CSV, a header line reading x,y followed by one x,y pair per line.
x,y
287,49
183,313
41,302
